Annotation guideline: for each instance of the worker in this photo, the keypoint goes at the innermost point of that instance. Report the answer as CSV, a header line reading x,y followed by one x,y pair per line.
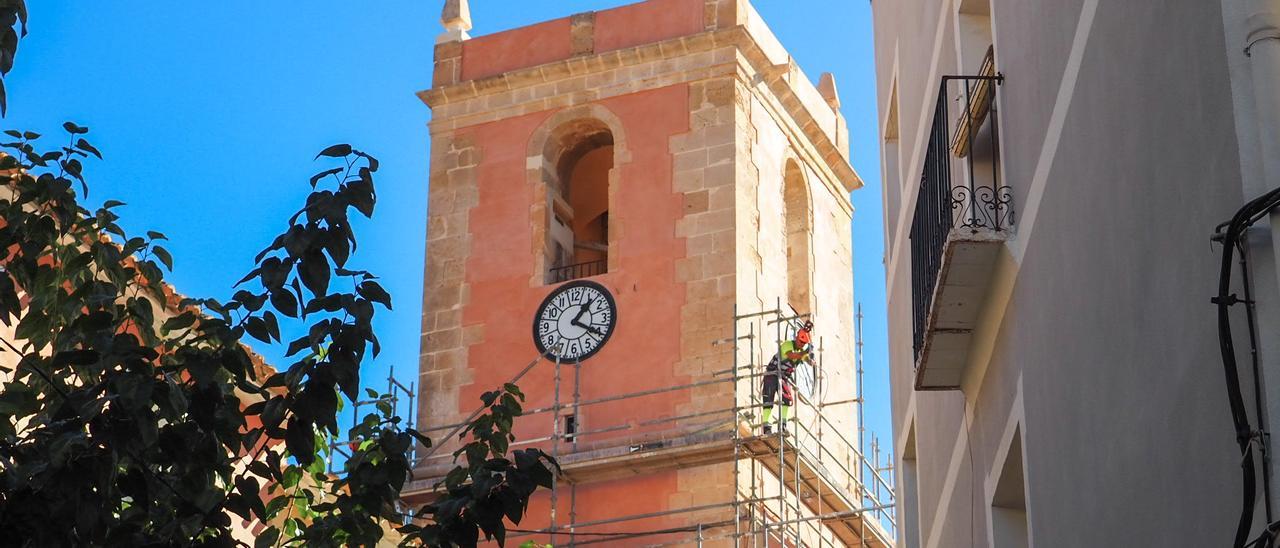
x,y
779,375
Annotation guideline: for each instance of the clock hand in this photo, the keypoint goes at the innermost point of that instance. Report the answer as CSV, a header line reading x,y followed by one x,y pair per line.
x,y
582,311
590,328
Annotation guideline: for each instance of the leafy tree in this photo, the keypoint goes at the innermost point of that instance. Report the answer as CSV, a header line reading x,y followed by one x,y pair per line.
x,y
136,417
489,487
12,13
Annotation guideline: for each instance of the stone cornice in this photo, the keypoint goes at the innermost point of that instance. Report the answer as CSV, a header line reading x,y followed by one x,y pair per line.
x,y
562,83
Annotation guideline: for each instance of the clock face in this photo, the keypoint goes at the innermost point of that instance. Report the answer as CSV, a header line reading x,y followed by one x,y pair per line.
x,y
575,321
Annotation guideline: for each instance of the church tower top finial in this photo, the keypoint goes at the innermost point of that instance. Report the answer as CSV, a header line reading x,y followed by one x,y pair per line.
x,y
456,19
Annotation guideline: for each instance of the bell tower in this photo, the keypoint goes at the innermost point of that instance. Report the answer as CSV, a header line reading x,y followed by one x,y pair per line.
x,y
660,185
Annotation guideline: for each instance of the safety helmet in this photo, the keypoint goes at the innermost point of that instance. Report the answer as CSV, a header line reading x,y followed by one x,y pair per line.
x,y
802,337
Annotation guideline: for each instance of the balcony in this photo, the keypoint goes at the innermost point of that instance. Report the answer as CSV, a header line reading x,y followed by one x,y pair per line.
x,y
958,229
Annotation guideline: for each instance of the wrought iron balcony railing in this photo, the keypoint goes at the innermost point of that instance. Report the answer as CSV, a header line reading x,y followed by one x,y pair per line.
x,y
978,203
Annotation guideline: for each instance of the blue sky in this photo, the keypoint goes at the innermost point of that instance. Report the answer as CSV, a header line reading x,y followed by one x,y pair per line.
x,y
208,115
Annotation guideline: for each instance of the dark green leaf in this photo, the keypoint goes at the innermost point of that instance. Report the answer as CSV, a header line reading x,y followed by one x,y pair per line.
x,y
335,151
315,271
373,162
257,328
316,178
251,301
237,504
372,291
165,258
284,302
298,345
268,536
273,325
85,146
75,357
276,379
301,441
180,321
423,439
73,168
72,128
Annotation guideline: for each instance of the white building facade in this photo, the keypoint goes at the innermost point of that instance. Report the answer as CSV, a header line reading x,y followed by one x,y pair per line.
x,y
1055,172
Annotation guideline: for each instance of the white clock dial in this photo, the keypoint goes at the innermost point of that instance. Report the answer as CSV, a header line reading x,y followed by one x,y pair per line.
x,y
575,321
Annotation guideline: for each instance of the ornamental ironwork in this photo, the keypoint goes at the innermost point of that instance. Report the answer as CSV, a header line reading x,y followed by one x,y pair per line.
x,y
978,207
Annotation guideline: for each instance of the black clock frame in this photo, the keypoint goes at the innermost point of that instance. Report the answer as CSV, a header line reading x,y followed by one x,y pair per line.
x,y
613,322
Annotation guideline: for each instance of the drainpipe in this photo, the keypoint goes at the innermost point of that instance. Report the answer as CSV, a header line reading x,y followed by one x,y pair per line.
x,y
1261,26
1262,47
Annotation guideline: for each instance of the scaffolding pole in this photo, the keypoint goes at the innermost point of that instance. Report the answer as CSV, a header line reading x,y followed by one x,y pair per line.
x,y
555,448
857,359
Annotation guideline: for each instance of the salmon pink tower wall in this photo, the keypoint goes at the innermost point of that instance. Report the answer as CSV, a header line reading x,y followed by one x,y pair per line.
x,y
665,89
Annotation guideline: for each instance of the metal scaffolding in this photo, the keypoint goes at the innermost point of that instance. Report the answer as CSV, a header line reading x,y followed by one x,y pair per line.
x,y
396,394
805,484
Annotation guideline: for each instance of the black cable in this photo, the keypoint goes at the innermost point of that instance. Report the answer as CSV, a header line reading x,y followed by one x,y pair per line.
x,y
1267,538
1263,448
1234,229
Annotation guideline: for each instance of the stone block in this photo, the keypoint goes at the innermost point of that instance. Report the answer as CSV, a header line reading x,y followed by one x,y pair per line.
x,y
693,159
543,91
704,118
689,180
720,92
688,269
599,79
442,297
695,202
436,227
725,241
718,264
726,285
715,221
710,16
448,50
721,154
449,319
721,133
720,198
700,244
702,289
446,72
693,313
650,54
689,141
717,176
